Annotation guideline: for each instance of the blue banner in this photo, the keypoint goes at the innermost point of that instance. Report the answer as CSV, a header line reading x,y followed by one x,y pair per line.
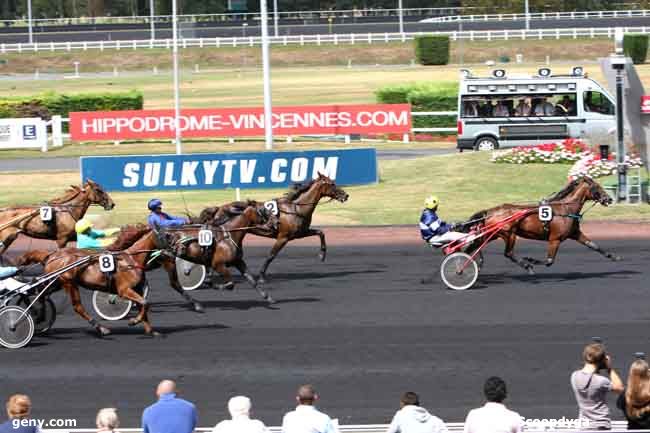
x,y
229,170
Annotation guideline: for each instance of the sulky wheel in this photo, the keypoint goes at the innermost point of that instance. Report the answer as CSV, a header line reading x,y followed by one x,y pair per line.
x,y
16,327
459,271
43,312
110,306
190,275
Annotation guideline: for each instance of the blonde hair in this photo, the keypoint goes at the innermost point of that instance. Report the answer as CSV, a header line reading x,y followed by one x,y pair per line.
x,y
18,406
107,419
637,394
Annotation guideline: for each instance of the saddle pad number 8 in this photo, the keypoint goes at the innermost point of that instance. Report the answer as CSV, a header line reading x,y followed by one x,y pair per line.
x,y
46,213
106,263
205,238
545,213
272,206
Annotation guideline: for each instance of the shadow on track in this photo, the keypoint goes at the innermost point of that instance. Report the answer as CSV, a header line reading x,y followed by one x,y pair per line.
x,y
242,305
73,333
557,277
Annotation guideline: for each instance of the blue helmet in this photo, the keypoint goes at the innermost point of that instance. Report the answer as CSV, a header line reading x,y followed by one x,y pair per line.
x,y
154,203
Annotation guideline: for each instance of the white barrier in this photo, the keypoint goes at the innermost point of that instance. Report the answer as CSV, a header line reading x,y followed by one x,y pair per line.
x,y
541,16
23,133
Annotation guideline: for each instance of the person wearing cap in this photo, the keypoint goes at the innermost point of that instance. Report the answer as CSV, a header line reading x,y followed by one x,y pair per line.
x,y
240,409
432,228
158,218
89,237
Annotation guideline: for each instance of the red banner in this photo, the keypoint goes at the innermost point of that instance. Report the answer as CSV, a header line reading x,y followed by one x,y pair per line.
x,y
645,104
238,122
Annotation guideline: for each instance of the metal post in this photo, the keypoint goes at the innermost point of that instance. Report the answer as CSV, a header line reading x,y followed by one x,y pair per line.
x,y
460,42
527,12
268,131
151,19
177,99
401,17
29,21
620,153
275,18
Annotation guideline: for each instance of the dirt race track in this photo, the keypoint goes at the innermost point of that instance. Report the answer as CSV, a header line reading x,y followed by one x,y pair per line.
x,y
362,327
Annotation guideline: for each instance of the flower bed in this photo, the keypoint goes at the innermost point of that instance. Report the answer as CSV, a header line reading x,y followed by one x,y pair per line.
x,y
593,166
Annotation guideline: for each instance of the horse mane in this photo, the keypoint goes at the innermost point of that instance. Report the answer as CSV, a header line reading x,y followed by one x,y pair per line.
x,y
564,192
67,195
129,234
297,189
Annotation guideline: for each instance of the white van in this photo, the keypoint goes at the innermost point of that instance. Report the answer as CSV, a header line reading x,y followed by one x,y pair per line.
x,y
506,111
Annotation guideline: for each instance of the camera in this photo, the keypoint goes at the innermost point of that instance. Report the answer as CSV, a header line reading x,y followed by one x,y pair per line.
x,y
639,355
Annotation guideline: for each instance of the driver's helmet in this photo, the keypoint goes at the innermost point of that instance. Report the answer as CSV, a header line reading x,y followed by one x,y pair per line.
x,y
154,203
82,225
431,202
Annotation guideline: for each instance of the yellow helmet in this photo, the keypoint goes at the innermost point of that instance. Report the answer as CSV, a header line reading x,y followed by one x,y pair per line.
x,y
82,225
431,202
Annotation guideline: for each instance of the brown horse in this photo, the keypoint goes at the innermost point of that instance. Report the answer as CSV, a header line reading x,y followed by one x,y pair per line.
x,y
226,248
127,280
565,223
295,211
66,211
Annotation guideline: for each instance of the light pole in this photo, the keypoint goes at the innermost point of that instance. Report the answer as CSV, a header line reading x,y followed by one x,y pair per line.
x,y
268,131
151,18
243,29
275,18
29,21
618,64
527,13
400,12
177,98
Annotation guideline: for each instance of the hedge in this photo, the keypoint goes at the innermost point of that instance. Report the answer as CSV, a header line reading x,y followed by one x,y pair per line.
x,y
432,50
49,104
441,96
636,47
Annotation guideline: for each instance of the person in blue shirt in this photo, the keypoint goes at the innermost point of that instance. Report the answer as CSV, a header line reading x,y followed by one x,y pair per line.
x,y
169,414
432,228
19,407
158,218
89,237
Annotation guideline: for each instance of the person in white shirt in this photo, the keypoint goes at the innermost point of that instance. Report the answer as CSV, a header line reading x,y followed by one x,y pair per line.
x,y
240,409
306,418
411,418
494,416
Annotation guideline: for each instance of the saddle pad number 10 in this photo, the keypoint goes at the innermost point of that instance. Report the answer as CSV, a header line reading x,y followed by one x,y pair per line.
x,y
545,213
46,213
205,238
272,206
106,263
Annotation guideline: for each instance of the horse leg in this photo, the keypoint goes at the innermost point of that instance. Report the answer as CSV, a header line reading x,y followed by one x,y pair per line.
x,y
170,267
227,277
584,240
551,251
243,269
323,244
75,299
510,240
7,240
279,244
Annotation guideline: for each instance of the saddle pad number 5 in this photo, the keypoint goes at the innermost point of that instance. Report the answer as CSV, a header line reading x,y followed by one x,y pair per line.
x,y
272,206
106,263
205,238
545,213
46,213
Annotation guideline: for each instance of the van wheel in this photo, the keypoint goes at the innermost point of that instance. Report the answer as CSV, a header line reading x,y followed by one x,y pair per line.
x,y
486,143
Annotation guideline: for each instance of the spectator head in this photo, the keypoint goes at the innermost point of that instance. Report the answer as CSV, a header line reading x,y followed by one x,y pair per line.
x,y
239,406
166,387
107,419
306,395
637,392
495,390
18,406
409,399
595,354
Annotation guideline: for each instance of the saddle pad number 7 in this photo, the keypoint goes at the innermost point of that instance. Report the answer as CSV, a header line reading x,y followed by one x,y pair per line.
x,y
106,263
545,213
272,206
46,213
205,238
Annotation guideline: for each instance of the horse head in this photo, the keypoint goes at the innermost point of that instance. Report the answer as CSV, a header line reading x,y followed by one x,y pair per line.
x,y
596,192
329,189
97,195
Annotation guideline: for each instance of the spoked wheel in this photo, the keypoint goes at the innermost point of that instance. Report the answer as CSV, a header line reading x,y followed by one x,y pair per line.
x,y
43,313
16,327
459,271
110,306
190,275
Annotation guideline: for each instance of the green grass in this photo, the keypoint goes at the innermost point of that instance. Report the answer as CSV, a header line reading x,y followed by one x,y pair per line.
x,y
464,182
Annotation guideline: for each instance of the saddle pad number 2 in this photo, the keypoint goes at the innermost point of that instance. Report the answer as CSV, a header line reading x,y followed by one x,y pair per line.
x,y
272,206
545,213
106,263
205,238
46,213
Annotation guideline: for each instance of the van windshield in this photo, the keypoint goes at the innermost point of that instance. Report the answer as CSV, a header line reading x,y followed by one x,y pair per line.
x,y
597,102
538,105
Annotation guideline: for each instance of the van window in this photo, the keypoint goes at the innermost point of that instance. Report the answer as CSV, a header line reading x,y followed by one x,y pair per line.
x,y
597,102
522,105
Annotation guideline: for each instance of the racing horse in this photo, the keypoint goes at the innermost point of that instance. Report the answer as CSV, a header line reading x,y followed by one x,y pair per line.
x,y
66,211
294,214
567,213
225,248
127,281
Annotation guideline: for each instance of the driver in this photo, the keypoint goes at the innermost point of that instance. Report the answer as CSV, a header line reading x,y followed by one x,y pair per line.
x,y
433,229
89,237
158,218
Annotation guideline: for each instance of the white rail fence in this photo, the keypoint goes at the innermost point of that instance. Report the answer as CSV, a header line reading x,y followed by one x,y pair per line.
x,y
542,16
335,39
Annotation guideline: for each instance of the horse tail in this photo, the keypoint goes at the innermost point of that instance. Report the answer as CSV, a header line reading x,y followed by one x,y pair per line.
x,y
476,220
35,256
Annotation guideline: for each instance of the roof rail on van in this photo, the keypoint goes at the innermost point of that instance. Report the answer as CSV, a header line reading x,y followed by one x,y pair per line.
x,y
577,71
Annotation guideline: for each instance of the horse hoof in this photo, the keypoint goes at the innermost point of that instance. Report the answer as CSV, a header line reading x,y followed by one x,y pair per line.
x,y
617,258
261,280
156,334
227,286
322,256
530,271
134,321
102,331
198,308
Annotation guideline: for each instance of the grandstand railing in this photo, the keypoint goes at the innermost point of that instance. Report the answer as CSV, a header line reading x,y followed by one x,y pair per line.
x,y
542,16
335,39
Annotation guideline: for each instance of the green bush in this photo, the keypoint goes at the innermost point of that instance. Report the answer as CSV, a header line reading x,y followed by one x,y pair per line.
x,y
636,47
432,50
442,96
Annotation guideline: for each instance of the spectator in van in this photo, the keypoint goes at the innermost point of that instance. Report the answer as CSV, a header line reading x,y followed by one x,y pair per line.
x,y
471,109
485,109
565,107
544,108
501,110
523,108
